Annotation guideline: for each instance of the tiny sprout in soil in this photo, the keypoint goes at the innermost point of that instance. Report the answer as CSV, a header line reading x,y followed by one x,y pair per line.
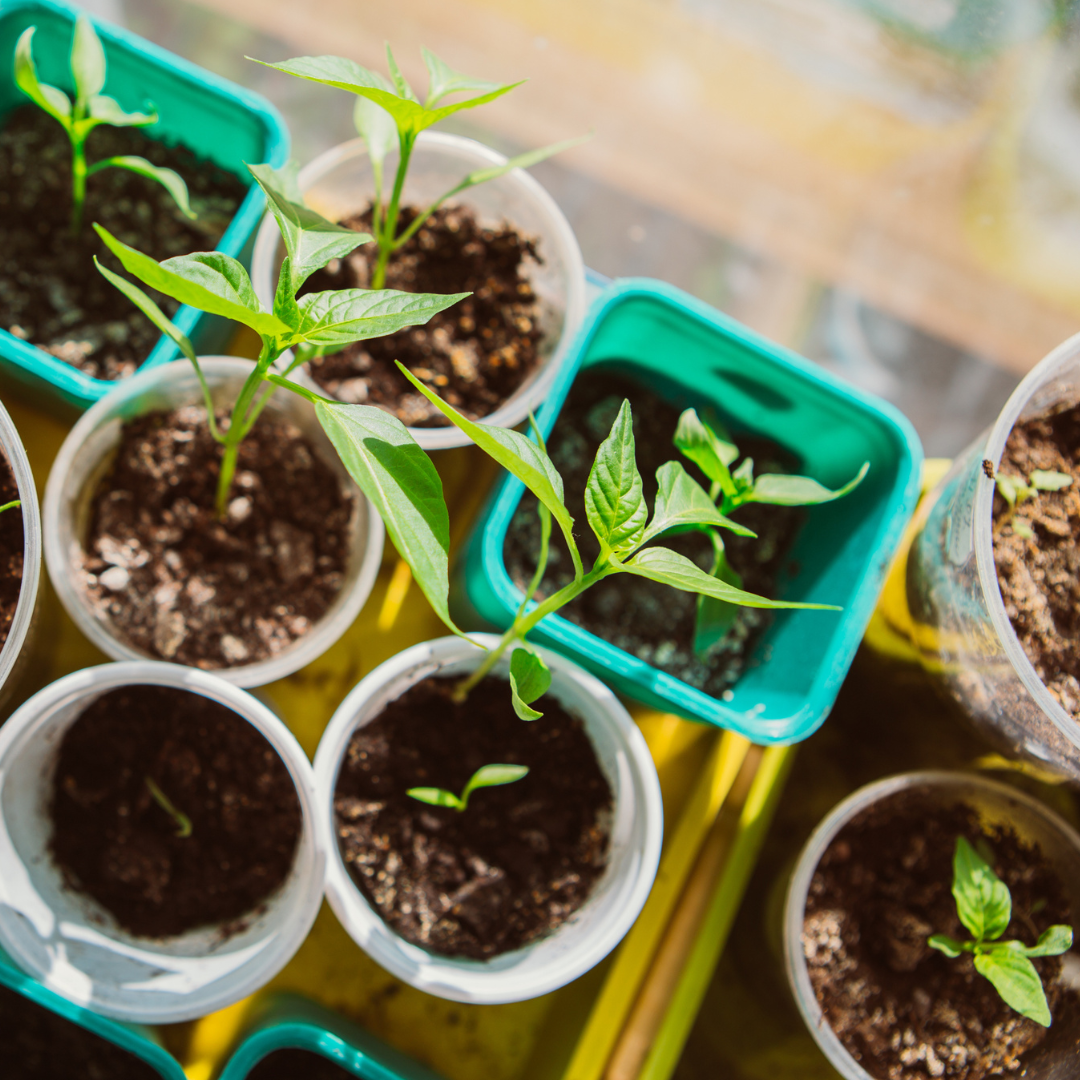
x,y
183,822
984,905
1015,491
10,505
485,776
90,108
388,114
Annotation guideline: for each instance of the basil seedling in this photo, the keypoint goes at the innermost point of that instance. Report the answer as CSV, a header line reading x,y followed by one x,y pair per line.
x,y
183,822
984,905
1015,491
485,776
708,446
216,283
89,109
388,114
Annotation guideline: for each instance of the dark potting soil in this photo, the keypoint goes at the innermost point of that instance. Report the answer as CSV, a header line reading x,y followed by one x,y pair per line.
x,y
651,621
11,549
50,293
903,1010
113,840
475,354
39,1045
516,864
297,1065
179,584
1040,576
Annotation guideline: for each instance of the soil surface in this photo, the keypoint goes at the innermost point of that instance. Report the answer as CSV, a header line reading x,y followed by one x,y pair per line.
x,y
50,293
903,1010
476,354
113,839
648,620
1040,575
297,1065
39,1045
516,864
179,584
11,549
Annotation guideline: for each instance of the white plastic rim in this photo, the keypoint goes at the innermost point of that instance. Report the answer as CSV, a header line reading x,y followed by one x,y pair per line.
x,y
999,802
13,450
617,898
86,453
515,196
67,940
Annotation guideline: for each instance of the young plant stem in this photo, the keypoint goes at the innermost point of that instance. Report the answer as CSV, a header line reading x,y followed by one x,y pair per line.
x,y
10,506
78,183
386,236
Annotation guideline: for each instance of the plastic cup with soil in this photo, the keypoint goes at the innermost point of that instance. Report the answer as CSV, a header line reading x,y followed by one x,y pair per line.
x,y
20,550
535,881
159,852
145,567
874,882
995,587
494,355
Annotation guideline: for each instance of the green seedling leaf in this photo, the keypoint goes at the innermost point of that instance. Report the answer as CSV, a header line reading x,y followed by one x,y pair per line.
x,y
682,501
183,822
1022,528
53,101
171,181
779,490
434,796
1049,480
949,946
706,449
401,84
445,80
670,568
715,617
1013,489
614,502
1016,980
1052,942
744,474
485,776
106,110
530,679
87,60
345,315
982,898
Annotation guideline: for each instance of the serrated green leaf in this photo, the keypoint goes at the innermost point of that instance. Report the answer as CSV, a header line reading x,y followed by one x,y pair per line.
x,y
706,449
614,502
949,946
106,110
87,60
345,315
493,776
982,899
53,101
1052,942
171,181
680,501
443,80
434,796
1049,480
778,490
529,679
1016,980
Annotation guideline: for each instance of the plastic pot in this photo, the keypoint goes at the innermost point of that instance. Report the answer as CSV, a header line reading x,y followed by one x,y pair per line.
x,y
996,804
12,650
953,589
213,117
692,355
67,940
597,927
339,183
87,453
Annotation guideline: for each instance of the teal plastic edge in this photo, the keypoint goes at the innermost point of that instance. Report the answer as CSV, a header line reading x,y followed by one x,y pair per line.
x,y
33,366
132,1038
291,1022
483,590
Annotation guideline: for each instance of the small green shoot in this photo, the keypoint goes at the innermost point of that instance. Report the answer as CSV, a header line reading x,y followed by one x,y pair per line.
x,y
485,776
183,822
1015,491
10,505
388,114
89,109
984,905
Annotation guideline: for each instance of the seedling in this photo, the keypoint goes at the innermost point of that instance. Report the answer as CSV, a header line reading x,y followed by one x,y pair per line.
x,y
89,109
10,505
485,776
388,114
183,822
706,444
216,283
1015,491
984,905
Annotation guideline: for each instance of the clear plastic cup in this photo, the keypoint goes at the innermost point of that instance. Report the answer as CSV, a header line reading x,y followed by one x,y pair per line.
x,y
996,804
953,589
637,827
70,943
88,452
340,182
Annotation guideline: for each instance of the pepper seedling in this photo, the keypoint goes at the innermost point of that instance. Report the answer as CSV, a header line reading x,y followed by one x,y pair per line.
x,y
90,109
984,905
388,114
218,284
183,822
709,447
485,776
1015,491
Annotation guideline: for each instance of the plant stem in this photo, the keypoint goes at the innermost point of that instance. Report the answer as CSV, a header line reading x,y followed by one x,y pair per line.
x,y
10,506
386,237
78,183
237,430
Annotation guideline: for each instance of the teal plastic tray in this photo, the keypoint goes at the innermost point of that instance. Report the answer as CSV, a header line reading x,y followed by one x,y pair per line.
x,y
211,116
692,355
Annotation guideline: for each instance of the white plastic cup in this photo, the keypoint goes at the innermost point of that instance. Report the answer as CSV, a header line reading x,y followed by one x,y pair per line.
x,y
617,898
13,450
996,804
339,183
68,941
88,452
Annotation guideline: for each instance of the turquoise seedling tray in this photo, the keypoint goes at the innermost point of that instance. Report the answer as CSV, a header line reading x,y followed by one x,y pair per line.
x,y
692,355
211,116
135,1040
